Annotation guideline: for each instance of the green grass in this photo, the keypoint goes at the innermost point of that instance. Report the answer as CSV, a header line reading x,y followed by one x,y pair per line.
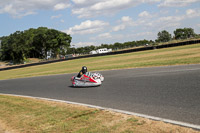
x,y
189,54
26,115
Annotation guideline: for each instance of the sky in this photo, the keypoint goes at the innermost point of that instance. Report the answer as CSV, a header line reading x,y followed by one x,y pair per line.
x,y
96,22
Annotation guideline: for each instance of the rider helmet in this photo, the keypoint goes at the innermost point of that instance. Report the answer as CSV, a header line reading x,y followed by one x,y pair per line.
x,y
84,69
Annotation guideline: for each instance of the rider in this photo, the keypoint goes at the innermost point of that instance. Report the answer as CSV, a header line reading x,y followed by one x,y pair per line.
x,y
83,71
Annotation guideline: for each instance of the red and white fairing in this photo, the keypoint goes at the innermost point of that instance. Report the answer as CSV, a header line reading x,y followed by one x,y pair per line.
x,y
87,80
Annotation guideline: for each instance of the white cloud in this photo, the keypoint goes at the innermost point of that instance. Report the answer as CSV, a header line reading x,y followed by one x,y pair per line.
x,y
151,1
168,22
20,8
93,8
119,27
10,8
82,8
173,21
140,34
144,34
61,6
62,21
79,1
125,21
192,13
154,22
57,16
101,7
87,27
144,14
128,21
85,2
111,4
177,11
176,3
105,35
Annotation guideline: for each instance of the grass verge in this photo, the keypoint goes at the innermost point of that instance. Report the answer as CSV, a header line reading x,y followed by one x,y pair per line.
x,y
160,57
32,115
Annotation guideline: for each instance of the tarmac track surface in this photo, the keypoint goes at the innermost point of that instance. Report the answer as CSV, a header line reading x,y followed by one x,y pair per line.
x,y
171,92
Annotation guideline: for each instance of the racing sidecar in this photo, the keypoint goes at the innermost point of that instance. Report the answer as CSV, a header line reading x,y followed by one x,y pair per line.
x,y
87,80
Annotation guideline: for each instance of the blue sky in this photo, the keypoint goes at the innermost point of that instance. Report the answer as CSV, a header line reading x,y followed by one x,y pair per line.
x,y
96,22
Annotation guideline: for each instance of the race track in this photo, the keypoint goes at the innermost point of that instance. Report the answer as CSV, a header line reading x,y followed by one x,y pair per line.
x,y
167,92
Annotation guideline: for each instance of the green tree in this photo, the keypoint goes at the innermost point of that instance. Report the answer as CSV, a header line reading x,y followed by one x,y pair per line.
x,y
184,33
34,43
13,47
118,45
164,36
80,50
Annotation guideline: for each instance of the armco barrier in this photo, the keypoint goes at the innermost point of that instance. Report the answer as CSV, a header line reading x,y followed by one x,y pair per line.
x,y
178,44
110,53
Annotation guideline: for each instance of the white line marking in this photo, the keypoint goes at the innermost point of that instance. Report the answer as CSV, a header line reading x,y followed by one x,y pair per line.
x,y
115,110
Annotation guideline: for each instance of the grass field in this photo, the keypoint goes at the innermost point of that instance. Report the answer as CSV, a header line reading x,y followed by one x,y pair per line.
x,y
30,115
25,115
189,54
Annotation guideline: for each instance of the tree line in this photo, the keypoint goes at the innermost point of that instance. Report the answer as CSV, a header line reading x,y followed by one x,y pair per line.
x,y
162,36
33,43
115,46
185,33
